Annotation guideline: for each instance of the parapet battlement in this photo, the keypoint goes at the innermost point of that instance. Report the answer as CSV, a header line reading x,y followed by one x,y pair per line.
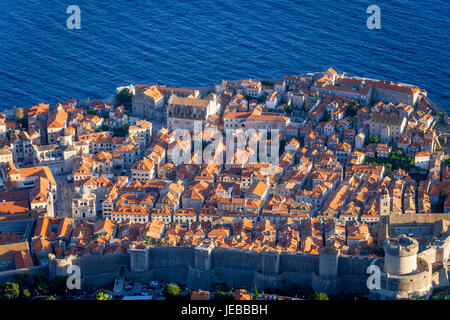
x,y
403,246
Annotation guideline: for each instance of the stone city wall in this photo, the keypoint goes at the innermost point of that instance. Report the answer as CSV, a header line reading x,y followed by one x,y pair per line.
x,y
203,267
97,271
9,275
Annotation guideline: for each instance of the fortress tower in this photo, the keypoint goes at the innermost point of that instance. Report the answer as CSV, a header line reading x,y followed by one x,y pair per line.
x,y
405,274
400,255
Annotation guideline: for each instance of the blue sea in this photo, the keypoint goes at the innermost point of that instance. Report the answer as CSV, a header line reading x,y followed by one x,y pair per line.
x,y
196,43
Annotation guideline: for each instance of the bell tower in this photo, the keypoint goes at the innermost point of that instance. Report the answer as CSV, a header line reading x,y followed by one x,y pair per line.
x,y
385,203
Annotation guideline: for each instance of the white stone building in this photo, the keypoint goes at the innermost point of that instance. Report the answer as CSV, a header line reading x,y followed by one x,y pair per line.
x,y
182,113
84,205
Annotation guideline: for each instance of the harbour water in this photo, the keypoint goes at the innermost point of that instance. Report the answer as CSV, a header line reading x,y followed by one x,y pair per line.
x,y
197,43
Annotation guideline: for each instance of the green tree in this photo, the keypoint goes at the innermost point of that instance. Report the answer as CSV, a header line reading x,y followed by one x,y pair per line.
x,y
26,294
441,200
19,113
51,298
320,296
352,108
11,291
262,98
288,109
255,293
59,285
124,97
415,298
41,285
220,295
221,287
171,291
373,140
400,160
447,162
122,131
22,279
305,106
102,296
103,128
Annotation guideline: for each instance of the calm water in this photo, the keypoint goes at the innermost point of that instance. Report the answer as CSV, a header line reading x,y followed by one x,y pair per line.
x,y
193,43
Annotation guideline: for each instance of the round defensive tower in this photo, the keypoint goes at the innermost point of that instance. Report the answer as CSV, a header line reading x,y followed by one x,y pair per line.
x,y
400,255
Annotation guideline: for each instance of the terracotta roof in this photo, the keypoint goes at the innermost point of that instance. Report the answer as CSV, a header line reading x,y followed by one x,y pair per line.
x,y
203,103
57,119
22,259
